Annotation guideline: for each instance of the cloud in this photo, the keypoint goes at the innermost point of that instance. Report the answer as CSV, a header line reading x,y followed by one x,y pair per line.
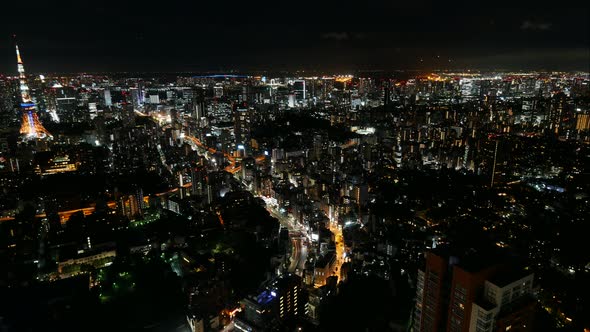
x,y
335,35
541,26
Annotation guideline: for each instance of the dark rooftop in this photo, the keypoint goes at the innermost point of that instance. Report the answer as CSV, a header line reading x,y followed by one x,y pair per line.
x,y
325,260
471,259
503,279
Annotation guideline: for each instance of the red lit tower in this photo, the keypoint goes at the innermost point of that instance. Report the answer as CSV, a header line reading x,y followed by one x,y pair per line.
x,y
31,128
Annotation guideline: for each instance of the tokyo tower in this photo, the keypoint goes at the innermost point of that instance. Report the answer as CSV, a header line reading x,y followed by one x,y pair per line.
x,y
31,128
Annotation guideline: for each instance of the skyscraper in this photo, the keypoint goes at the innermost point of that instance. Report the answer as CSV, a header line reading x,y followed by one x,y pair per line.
x,y
199,108
387,93
556,112
242,127
473,291
299,90
31,128
495,154
7,103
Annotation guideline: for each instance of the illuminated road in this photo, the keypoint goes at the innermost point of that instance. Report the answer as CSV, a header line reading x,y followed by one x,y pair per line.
x,y
340,259
298,241
231,168
296,256
299,255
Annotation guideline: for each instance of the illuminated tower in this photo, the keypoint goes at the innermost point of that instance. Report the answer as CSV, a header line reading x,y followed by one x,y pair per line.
x,y
31,128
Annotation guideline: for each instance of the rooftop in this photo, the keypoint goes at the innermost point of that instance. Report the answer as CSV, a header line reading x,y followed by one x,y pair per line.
x,y
325,260
471,259
503,279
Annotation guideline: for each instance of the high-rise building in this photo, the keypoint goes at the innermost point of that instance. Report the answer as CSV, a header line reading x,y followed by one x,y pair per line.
x,y
556,112
291,100
299,90
154,99
277,154
582,121
199,108
280,300
318,146
137,95
7,103
127,114
31,127
494,158
473,291
132,206
387,93
198,181
242,127
92,110
107,98
65,102
506,304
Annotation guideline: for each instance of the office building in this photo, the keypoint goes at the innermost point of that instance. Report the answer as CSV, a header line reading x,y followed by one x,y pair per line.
x,y
280,300
242,127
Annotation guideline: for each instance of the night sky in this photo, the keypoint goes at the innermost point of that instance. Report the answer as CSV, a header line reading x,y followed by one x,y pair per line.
x,y
173,35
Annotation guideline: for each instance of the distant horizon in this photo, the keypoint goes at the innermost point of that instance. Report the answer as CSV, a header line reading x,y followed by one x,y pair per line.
x,y
255,71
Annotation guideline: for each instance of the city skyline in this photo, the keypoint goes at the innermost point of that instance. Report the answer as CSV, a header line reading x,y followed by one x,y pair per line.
x,y
376,166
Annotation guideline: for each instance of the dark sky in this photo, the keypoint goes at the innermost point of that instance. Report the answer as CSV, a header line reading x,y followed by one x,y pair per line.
x,y
197,35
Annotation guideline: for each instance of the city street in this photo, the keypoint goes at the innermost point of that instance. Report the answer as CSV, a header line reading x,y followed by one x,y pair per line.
x,y
340,259
299,253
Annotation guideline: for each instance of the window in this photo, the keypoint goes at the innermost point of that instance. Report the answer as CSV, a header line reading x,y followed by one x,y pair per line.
x,y
461,297
460,289
483,325
433,277
516,289
491,294
455,325
458,311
